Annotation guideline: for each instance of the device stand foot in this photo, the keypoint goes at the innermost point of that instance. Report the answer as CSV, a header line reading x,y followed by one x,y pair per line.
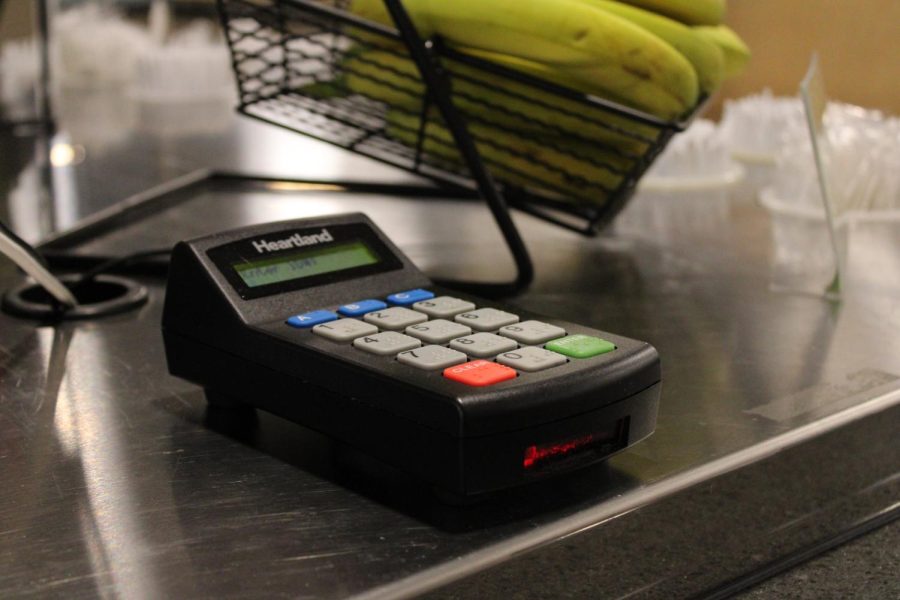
x,y
219,399
230,417
455,499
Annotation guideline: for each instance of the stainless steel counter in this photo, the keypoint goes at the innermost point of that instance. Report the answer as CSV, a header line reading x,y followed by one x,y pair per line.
x,y
778,422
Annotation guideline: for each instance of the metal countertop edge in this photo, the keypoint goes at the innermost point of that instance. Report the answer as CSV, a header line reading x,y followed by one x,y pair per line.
x,y
87,224
885,397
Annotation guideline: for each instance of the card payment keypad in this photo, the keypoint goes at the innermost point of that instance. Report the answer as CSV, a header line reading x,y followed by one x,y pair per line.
x,y
471,345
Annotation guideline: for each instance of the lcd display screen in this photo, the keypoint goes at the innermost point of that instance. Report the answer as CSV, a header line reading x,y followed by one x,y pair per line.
x,y
305,263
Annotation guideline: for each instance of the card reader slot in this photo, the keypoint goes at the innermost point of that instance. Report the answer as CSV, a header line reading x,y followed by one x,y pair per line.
x,y
575,451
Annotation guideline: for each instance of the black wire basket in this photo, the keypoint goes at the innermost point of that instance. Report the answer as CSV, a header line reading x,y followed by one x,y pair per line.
x,y
314,67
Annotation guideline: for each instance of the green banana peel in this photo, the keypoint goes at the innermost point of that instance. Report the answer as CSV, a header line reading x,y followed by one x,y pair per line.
x,y
394,80
603,53
575,174
690,12
704,54
735,51
581,78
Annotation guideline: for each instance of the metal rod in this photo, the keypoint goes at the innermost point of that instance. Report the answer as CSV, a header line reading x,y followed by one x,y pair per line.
x,y
439,91
47,126
45,113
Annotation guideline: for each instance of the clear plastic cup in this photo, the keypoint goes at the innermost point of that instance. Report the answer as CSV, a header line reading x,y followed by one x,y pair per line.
x,y
687,191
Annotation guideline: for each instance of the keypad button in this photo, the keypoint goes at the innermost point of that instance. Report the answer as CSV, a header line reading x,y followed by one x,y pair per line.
x,y
532,333
311,319
480,373
395,318
531,359
432,358
483,345
344,330
486,319
409,297
581,346
386,342
439,331
361,307
443,307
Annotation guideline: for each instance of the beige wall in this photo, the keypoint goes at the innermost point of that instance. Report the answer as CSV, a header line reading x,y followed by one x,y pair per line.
x,y
858,43
15,19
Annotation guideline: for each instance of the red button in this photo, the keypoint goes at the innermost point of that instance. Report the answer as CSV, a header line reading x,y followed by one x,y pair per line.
x,y
479,373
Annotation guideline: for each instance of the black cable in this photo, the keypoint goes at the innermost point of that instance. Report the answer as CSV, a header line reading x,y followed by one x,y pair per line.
x,y
105,266
118,262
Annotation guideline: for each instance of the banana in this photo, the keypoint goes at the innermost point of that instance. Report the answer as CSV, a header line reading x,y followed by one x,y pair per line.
x,y
691,12
735,51
583,79
704,54
596,50
509,105
517,160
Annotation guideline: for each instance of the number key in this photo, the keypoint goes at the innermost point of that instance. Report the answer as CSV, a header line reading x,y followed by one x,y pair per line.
x,y
432,358
486,319
483,345
344,330
396,318
443,307
531,359
438,331
386,342
532,333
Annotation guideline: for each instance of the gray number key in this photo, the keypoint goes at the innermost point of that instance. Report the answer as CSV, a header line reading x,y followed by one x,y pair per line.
x,y
439,331
386,342
344,330
443,307
532,333
432,358
483,345
396,318
531,359
486,319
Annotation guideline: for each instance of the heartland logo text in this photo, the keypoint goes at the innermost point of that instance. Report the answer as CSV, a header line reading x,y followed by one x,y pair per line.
x,y
295,241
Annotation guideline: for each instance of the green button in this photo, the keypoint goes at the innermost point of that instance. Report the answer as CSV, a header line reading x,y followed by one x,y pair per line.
x,y
580,346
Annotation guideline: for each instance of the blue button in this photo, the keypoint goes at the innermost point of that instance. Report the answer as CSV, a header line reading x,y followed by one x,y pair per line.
x,y
409,297
311,318
355,309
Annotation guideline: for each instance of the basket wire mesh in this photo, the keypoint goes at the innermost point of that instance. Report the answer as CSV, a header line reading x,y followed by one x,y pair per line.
x,y
314,67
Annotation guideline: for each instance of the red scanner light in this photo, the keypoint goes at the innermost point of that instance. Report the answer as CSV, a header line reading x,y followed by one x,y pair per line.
x,y
535,455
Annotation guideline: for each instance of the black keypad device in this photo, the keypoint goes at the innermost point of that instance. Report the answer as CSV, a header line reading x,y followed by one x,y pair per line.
x,y
326,323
